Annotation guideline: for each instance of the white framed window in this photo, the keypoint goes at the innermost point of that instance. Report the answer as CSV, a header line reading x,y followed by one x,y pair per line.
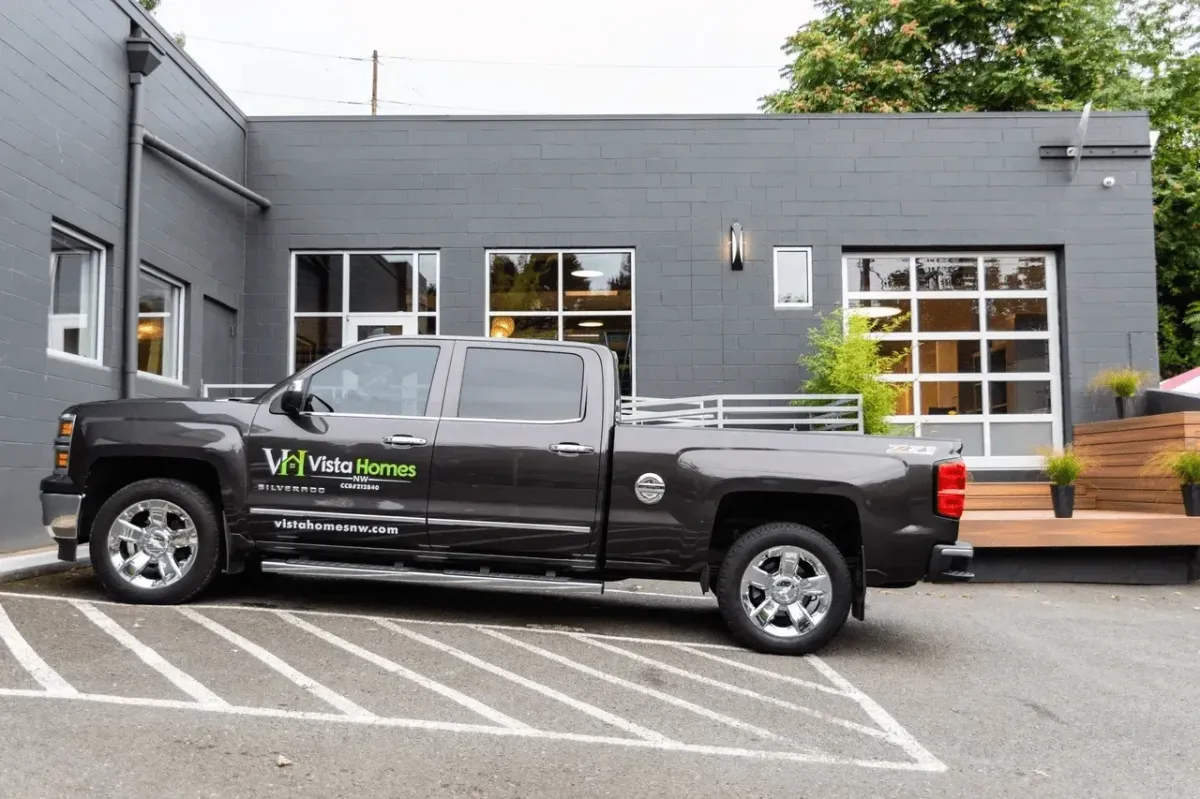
x,y
160,325
77,280
793,277
565,295
338,298
980,337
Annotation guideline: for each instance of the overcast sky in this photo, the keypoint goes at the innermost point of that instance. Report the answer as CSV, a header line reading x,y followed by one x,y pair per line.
x,y
449,57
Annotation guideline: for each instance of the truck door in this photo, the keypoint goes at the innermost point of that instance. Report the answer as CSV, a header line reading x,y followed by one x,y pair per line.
x,y
353,469
517,460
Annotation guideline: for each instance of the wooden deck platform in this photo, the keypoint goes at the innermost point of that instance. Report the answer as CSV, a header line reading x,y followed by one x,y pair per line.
x,y
988,529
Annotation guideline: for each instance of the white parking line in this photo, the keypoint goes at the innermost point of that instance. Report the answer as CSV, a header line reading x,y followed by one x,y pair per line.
x,y
184,682
46,677
408,674
307,683
632,686
734,689
691,650
544,690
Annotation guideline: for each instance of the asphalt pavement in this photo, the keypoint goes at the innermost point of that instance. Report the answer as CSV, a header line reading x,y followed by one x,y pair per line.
x,y
312,688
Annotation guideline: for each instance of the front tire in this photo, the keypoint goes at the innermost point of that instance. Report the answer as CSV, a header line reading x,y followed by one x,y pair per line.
x,y
784,589
156,542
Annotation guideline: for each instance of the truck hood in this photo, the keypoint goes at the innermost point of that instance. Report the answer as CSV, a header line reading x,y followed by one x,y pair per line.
x,y
173,409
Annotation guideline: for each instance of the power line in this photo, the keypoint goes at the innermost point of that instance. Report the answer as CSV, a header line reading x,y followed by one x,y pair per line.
x,y
381,102
481,62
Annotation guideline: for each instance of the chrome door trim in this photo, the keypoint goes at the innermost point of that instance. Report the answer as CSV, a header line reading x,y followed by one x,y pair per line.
x,y
303,514
562,528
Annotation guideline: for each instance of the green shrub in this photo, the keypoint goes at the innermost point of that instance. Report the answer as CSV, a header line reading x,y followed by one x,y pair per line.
x,y
1123,382
844,359
1183,463
1064,466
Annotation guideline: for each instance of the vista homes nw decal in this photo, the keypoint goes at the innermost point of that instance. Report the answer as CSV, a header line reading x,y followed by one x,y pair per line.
x,y
362,474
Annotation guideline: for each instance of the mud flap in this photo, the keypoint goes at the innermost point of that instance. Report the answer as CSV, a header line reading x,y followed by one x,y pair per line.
x,y
858,575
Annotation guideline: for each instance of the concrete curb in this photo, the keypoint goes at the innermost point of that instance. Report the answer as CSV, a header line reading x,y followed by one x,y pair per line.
x,y
36,563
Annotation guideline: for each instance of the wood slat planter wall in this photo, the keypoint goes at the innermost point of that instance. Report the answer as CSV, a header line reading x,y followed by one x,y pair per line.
x,y
1119,450
1021,496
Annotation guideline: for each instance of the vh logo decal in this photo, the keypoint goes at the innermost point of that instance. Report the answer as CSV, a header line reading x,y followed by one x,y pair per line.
x,y
287,464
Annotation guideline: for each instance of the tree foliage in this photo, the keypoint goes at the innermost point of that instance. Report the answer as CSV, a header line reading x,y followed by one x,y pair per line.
x,y
845,359
1029,55
152,6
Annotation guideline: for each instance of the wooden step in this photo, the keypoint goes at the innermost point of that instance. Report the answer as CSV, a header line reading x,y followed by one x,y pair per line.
x,y
1097,528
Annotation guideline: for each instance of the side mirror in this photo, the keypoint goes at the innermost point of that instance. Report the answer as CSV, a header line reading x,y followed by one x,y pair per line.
x,y
291,401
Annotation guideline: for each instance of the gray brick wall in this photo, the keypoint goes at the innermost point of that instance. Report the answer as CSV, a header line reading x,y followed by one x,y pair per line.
x,y
63,143
669,188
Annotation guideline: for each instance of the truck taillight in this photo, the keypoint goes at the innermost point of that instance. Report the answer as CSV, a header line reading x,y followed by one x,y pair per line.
x,y
951,494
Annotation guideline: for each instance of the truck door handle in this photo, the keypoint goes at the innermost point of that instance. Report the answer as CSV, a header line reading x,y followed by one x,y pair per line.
x,y
404,441
572,449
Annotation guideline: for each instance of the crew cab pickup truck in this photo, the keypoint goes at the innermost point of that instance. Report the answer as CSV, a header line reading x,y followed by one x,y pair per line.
x,y
463,461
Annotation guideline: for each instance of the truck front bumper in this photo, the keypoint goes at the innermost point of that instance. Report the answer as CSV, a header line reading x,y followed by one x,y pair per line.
x,y
60,515
951,563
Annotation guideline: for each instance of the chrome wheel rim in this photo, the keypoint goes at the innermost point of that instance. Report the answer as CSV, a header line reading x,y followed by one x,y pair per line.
x,y
152,544
786,592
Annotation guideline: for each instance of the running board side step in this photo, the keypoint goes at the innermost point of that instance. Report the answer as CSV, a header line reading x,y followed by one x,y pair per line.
x,y
401,574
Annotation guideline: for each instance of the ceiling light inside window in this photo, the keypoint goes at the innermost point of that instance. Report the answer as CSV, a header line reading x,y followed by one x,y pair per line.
x,y
586,273
874,311
592,323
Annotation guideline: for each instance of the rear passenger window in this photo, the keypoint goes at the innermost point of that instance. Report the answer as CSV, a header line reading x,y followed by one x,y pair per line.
x,y
521,385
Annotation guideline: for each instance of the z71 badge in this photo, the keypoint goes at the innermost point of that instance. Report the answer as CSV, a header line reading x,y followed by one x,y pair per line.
x,y
911,449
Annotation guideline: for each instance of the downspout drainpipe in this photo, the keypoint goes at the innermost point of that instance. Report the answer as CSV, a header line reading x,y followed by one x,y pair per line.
x,y
133,216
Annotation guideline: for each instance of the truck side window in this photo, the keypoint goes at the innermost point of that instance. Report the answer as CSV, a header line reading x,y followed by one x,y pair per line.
x,y
383,381
521,385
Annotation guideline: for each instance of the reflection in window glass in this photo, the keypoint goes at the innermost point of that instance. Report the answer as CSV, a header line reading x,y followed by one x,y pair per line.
x,y
76,306
427,280
597,281
319,283
381,283
524,282
886,315
877,274
904,401
520,385
540,327
948,316
1021,355
316,337
903,364
159,331
614,332
1019,396
792,277
427,325
1026,313
1014,273
1021,438
947,357
971,435
947,274
951,397
382,381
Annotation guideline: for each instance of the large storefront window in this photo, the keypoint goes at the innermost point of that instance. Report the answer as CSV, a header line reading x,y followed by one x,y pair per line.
x,y
980,333
584,295
339,298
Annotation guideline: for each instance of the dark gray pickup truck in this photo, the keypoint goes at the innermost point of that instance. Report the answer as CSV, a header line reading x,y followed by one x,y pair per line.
x,y
508,463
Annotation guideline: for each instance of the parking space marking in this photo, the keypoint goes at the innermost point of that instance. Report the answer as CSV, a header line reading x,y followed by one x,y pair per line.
x,y
887,731
713,715
307,683
544,690
400,671
734,689
31,661
184,682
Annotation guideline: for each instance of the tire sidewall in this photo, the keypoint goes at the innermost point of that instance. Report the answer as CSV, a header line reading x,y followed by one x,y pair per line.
x,y
197,505
738,558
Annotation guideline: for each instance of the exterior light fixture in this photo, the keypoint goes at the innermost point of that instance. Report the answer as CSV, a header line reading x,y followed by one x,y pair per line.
x,y
736,246
502,327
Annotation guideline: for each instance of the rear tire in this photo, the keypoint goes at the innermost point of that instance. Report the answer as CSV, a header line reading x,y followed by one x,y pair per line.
x,y
156,542
784,589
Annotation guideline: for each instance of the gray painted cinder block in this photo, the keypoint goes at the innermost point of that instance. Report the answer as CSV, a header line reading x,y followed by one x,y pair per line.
x,y
63,141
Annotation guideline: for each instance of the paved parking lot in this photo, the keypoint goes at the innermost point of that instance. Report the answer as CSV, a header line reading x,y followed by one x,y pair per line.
x,y
398,692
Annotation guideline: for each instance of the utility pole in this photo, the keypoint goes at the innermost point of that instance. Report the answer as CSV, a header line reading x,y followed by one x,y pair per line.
x,y
374,82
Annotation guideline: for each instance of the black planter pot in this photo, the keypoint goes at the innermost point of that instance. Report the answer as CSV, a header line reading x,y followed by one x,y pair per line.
x,y
1063,498
1122,406
1191,498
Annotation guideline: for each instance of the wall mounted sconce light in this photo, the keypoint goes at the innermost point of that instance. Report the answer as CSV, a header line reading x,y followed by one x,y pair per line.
x,y
736,246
